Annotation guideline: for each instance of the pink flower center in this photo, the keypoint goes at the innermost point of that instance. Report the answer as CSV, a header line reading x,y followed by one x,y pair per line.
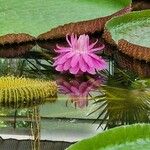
x,y
81,46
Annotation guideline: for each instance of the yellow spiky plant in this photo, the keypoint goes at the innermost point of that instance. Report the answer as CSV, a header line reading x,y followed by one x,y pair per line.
x,y
19,91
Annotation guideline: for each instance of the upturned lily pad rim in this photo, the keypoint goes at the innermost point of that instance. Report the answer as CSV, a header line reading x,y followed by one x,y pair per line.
x,y
129,133
126,18
85,25
82,27
133,50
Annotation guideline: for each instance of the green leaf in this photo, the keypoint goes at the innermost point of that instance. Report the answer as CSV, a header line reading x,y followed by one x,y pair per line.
x,y
35,17
133,27
131,137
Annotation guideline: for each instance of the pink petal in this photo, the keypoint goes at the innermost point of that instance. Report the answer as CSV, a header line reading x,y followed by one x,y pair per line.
x,y
55,64
82,42
74,70
65,89
75,90
83,87
59,56
75,60
75,83
59,68
67,65
82,101
94,56
55,58
87,92
93,44
87,40
100,64
98,48
66,84
62,49
70,54
82,64
73,40
63,58
91,71
88,60
68,41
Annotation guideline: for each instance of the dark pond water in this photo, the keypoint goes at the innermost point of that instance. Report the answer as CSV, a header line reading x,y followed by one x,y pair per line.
x,y
99,102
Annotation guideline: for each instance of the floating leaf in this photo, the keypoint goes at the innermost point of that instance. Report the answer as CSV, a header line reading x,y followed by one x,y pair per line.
x,y
130,33
23,20
121,138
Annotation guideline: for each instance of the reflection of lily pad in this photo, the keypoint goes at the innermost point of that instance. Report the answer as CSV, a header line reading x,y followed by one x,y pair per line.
x,y
15,50
27,104
121,138
131,33
59,17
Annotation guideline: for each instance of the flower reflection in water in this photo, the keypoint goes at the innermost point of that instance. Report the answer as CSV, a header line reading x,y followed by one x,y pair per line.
x,y
78,90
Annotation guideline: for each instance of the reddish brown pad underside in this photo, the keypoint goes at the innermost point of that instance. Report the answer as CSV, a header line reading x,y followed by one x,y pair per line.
x,y
133,50
15,38
139,67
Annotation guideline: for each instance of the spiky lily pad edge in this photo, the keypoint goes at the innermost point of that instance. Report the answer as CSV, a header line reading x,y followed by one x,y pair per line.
x,y
16,38
18,92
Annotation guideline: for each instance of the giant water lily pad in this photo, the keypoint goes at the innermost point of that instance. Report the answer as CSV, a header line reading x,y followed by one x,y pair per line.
x,y
23,20
130,33
131,137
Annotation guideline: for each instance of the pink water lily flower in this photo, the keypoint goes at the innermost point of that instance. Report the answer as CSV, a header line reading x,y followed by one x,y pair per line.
x,y
79,56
